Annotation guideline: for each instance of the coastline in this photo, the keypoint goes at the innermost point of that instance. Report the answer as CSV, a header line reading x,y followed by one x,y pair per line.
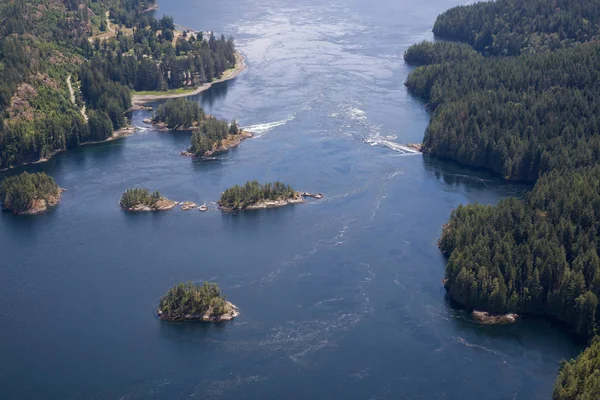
x,y
231,142
139,99
231,312
118,134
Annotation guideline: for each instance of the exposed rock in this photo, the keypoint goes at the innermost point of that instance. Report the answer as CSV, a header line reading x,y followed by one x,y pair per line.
x,y
489,319
203,208
415,146
188,205
138,107
161,205
231,311
40,205
268,204
313,195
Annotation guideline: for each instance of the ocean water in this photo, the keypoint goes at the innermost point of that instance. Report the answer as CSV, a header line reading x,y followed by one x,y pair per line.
x,y
339,298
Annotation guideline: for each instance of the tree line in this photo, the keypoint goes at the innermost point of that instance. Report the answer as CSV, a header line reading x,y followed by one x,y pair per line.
x,y
513,27
192,299
531,116
139,196
252,192
38,51
17,193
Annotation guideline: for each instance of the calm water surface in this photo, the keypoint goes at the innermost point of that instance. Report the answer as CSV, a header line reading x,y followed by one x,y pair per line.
x,y
340,299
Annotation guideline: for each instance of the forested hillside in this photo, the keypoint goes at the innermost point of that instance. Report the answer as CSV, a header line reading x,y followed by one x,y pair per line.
x,y
517,116
529,115
67,68
512,27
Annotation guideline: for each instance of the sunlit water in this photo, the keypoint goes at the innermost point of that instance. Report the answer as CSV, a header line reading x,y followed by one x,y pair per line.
x,y
340,298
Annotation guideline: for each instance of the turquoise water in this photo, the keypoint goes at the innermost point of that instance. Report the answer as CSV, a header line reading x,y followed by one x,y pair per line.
x,y
339,298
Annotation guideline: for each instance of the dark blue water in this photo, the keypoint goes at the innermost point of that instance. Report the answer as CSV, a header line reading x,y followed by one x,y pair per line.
x,y
340,299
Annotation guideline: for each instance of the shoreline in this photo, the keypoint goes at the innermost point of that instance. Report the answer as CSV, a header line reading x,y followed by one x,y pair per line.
x,y
118,134
231,312
232,142
140,99
265,204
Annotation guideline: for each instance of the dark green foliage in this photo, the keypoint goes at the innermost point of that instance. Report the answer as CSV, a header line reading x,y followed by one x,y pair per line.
x,y
509,27
538,256
240,197
426,53
179,113
211,132
139,196
192,299
518,116
17,193
39,50
580,379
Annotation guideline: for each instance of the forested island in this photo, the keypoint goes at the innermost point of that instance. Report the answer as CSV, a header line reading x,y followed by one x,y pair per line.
x,y
194,302
140,199
29,193
66,74
531,115
210,136
253,196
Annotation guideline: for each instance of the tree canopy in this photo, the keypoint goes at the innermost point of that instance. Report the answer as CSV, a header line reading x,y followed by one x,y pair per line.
x,y
192,299
252,192
17,193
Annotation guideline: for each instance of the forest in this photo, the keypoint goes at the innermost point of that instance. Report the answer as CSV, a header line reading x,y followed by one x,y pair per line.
x,y
513,27
41,54
208,132
18,192
526,109
252,192
139,196
191,299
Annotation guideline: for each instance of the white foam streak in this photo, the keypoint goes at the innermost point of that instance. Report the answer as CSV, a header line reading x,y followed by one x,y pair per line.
x,y
260,130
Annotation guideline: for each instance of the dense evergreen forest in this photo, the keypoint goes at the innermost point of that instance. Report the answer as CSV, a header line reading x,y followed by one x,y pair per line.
x,y
18,193
99,49
531,115
139,196
512,27
192,299
252,192
208,132
580,379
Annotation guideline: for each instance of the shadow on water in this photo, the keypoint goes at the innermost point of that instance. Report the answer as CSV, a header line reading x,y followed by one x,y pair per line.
x,y
217,92
457,177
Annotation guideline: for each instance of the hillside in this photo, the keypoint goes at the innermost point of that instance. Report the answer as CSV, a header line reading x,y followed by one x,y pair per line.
x,y
68,69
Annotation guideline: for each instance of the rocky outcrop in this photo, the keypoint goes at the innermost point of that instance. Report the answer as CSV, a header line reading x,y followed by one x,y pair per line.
x,y
40,205
231,311
161,205
486,318
188,205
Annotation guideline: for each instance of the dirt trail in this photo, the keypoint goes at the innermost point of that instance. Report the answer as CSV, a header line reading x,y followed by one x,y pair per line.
x,y
72,93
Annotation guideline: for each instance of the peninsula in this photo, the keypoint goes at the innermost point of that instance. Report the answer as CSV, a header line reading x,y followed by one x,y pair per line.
x,y
194,302
140,199
29,194
255,196
143,97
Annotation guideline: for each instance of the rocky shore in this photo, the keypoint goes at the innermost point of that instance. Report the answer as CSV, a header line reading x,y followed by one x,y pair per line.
x,y
231,142
40,205
231,311
161,205
261,205
486,318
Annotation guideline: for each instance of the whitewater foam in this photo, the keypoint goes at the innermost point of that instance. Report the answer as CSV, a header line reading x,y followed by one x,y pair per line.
x,y
260,130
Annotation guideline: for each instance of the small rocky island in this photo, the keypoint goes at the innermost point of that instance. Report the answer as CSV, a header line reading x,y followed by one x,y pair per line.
x,y
194,302
210,136
254,196
140,199
29,194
